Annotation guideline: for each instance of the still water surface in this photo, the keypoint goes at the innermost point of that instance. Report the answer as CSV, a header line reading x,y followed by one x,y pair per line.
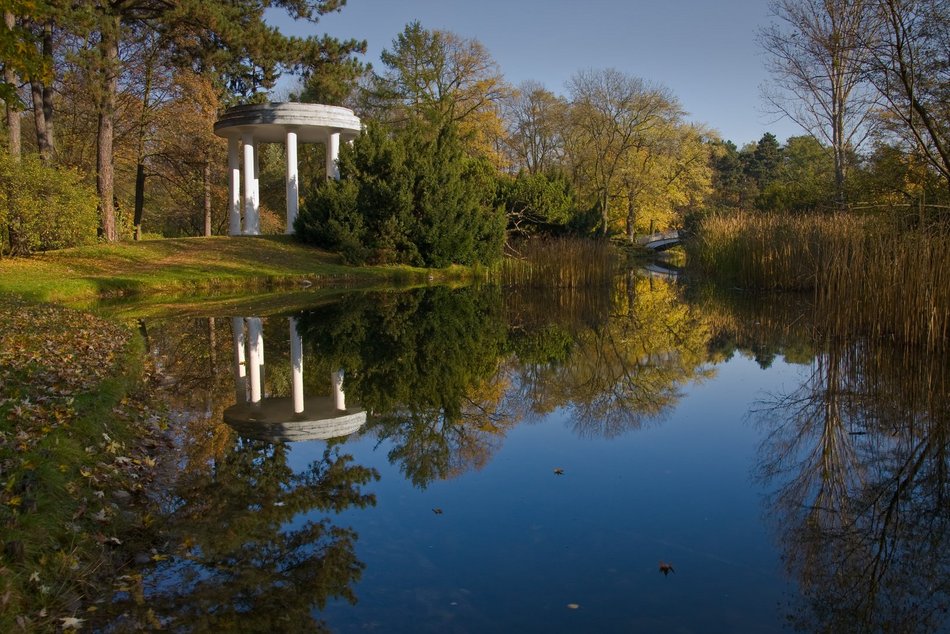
x,y
529,460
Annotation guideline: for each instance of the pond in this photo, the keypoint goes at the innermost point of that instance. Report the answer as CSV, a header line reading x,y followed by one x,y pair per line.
x,y
644,456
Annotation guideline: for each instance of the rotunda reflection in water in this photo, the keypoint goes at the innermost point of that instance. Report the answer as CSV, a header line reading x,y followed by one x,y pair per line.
x,y
283,418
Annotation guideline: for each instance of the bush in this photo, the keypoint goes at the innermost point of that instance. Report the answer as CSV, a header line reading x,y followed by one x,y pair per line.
x,y
43,208
407,197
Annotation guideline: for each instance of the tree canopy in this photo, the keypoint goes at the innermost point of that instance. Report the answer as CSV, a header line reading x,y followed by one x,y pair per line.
x,y
126,94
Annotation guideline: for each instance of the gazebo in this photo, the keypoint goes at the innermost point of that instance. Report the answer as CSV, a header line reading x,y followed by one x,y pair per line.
x,y
289,123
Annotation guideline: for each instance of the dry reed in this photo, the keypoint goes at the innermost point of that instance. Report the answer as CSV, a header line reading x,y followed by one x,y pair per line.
x,y
868,277
561,263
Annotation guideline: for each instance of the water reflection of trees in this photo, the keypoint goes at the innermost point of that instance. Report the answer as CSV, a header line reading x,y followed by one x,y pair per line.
x,y
250,554
251,545
429,365
625,368
759,327
860,452
446,372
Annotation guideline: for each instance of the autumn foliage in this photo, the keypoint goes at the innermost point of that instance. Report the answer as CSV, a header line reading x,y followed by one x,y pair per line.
x,y
43,208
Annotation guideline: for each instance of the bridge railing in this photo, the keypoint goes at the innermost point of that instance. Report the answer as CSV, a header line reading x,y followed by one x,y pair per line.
x,y
656,237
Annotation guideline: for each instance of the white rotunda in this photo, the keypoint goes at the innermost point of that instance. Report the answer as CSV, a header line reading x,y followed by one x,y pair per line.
x,y
290,123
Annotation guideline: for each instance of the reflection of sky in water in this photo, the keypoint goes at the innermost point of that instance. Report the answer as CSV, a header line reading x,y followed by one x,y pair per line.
x,y
517,543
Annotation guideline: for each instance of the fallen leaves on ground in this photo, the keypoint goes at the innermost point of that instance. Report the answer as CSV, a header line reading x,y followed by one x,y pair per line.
x,y
48,355
62,470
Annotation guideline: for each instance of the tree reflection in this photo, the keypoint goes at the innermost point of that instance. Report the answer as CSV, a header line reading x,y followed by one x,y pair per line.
x,y
445,373
251,556
429,366
628,368
860,452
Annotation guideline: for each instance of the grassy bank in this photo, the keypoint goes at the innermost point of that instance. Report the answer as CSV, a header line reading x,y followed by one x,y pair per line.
x,y
75,445
188,265
866,274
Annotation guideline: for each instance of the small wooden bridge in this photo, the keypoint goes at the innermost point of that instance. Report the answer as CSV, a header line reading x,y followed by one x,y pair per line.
x,y
660,241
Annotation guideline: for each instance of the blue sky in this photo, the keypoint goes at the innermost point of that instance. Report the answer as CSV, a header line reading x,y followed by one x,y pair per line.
x,y
703,50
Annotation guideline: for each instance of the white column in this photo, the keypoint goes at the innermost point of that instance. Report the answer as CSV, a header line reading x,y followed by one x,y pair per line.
x,y
336,378
260,341
234,188
240,367
255,353
252,223
293,186
333,153
296,365
257,187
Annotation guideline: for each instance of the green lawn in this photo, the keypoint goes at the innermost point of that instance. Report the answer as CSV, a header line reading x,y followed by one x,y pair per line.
x,y
186,265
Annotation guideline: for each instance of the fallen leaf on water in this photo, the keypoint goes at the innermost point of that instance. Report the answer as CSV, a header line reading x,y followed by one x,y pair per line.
x,y
437,511
573,606
559,471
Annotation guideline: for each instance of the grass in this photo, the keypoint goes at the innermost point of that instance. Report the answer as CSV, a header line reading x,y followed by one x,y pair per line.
x,y
184,265
867,275
561,263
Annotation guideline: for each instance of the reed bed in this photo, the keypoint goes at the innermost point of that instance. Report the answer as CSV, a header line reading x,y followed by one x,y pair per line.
x,y
867,275
560,263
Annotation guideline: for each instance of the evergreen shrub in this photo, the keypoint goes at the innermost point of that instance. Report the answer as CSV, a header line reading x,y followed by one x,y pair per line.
x,y
411,196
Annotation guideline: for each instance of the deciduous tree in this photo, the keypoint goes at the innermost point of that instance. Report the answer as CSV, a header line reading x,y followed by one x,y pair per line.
x,y
909,66
443,80
816,56
535,120
611,114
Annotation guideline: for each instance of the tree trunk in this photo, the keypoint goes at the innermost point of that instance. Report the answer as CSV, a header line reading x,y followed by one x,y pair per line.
x,y
140,154
13,146
840,153
206,172
47,91
105,180
13,113
13,124
39,121
631,217
42,97
139,199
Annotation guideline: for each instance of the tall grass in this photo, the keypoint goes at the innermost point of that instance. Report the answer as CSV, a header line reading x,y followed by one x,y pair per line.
x,y
569,280
868,275
560,263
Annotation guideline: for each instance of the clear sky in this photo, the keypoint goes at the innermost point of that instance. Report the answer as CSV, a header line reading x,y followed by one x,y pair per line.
x,y
705,51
